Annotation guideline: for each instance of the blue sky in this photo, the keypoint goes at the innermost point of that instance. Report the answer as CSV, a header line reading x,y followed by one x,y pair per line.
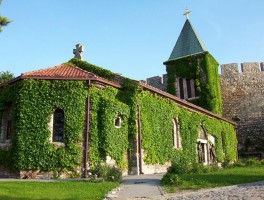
x,y
133,37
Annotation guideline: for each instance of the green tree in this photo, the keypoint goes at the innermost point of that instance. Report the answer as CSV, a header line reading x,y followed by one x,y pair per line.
x,y
5,76
3,20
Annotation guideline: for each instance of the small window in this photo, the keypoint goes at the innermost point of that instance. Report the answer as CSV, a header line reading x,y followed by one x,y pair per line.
x,y
118,122
58,126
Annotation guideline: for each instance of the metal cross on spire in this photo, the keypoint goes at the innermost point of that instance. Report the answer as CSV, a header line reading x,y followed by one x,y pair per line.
x,y
77,52
186,13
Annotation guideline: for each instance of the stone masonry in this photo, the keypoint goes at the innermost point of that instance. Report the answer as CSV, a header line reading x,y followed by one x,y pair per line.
x,y
158,82
243,102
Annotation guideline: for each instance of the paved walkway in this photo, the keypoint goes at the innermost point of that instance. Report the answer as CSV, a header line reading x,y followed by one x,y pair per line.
x,y
146,187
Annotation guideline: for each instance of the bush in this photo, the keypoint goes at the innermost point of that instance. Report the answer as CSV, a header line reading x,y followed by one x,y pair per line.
x,y
171,179
239,163
108,173
227,164
215,168
199,168
251,161
181,165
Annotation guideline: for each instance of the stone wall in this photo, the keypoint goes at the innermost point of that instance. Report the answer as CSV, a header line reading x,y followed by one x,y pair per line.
x,y
155,168
243,102
158,82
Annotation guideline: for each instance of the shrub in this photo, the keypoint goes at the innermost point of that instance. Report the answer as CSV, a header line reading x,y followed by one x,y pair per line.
x,y
215,168
108,173
239,163
227,164
251,161
171,179
181,165
199,168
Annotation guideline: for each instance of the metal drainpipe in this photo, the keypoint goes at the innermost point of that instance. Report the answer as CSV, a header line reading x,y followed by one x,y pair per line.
x,y
87,129
139,141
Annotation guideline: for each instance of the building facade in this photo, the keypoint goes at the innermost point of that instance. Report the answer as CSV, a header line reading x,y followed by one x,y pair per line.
x,y
66,120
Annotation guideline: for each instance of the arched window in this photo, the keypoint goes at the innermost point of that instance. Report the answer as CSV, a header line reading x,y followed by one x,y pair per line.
x,y
176,135
6,128
118,122
202,146
58,126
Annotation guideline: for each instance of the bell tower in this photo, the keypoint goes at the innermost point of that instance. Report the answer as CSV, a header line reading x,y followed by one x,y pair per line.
x,y
192,71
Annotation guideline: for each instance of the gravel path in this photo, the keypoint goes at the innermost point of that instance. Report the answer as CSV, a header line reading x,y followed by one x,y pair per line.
x,y
250,191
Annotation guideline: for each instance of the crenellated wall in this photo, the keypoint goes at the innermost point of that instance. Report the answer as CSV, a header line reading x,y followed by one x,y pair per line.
x,y
158,82
243,102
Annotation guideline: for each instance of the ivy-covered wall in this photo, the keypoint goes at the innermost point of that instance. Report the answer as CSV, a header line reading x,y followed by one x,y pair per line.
x,y
105,138
204,70
34,102
157,116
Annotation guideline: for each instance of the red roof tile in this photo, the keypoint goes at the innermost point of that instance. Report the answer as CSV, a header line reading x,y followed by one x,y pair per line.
x,y
61,71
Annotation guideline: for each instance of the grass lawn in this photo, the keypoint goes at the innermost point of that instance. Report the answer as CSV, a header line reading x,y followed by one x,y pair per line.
x,y
54,190
224,177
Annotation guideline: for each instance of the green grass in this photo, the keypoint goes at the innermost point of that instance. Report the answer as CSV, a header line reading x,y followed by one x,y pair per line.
x,y
54,190
224,177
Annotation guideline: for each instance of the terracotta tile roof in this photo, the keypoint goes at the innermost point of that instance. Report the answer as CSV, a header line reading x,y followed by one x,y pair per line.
x,y
61,71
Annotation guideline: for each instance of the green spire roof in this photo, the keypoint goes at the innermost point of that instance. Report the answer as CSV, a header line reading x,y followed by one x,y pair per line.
x,y
188,43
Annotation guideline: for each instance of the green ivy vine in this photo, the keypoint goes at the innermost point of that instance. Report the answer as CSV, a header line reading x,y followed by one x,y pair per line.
x,y
104,73
204,70
157,114
105,138
35,101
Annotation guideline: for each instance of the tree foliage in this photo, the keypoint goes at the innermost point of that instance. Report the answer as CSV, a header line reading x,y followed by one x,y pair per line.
x,y
5,76
3,20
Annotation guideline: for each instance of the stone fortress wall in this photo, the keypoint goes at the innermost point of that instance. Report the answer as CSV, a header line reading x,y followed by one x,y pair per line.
x,y
243,101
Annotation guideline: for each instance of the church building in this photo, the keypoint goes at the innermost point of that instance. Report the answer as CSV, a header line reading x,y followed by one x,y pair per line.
x,y
68,119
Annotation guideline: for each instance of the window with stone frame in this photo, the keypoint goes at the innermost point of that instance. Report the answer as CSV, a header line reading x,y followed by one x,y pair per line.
x,y
58,126
202,146
176,134
181,88
118,122
6,124
189,90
